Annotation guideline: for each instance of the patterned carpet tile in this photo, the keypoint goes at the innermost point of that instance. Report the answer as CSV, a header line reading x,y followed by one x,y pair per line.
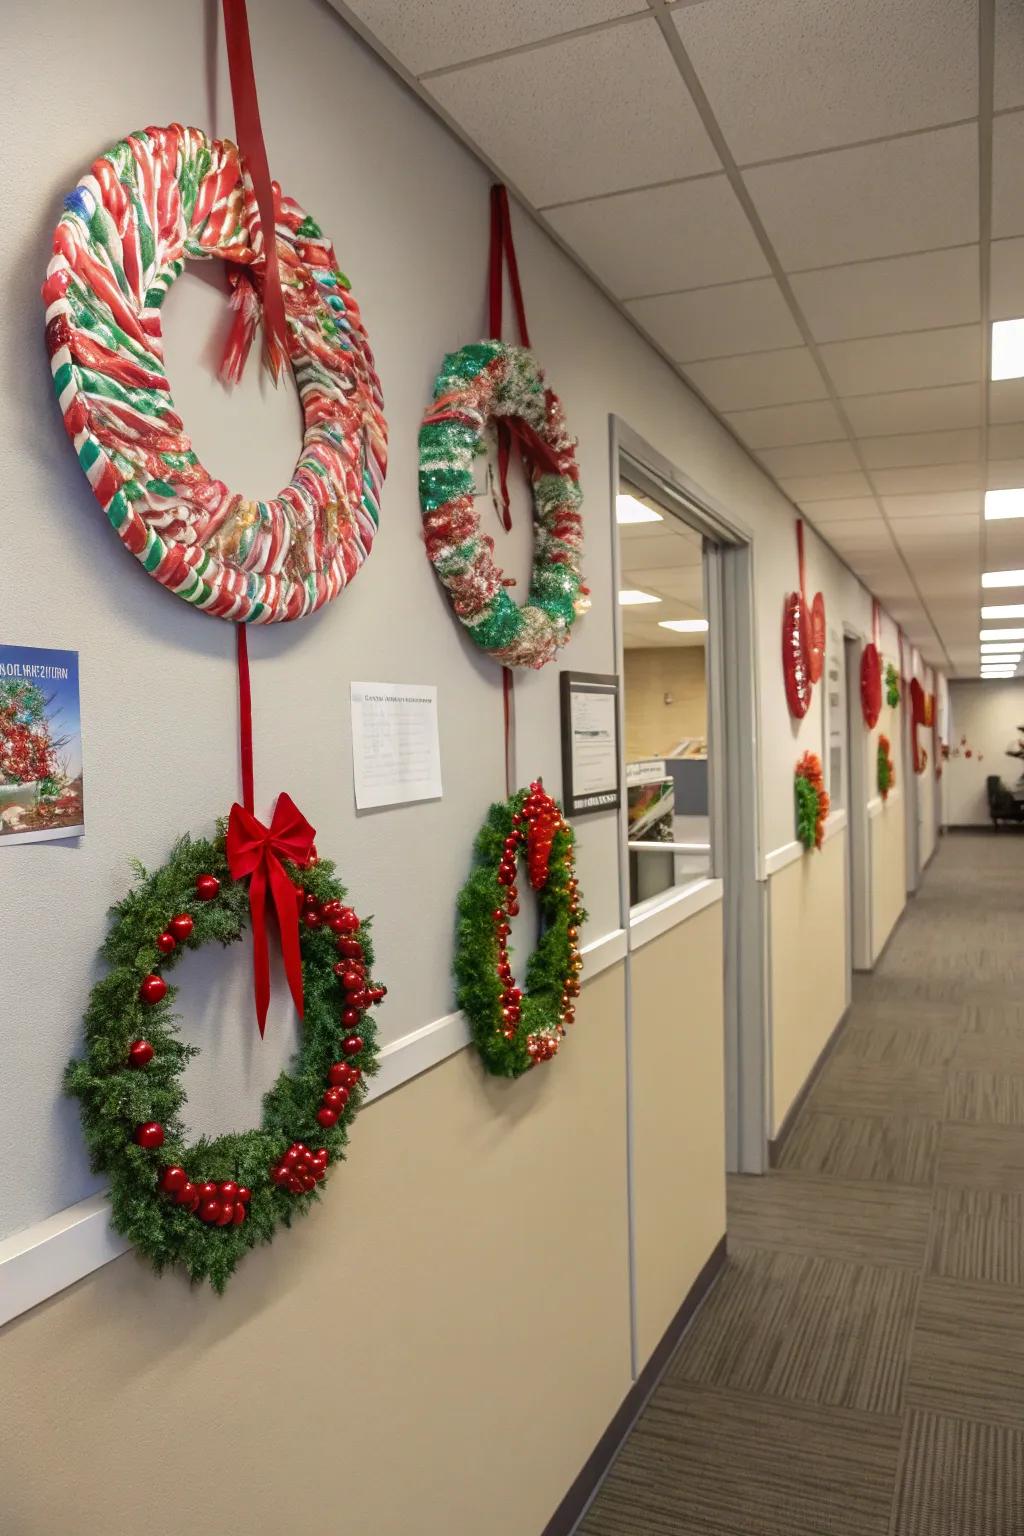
x,y
897,1149
967,1356
995,1019
960,1479
907,1045
810,1329
863,1223
703,1462
985,1156
862,1087
997,1049
978,1234
995,1098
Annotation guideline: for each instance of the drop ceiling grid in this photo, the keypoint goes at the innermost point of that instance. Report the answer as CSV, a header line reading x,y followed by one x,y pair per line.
x,y
834,441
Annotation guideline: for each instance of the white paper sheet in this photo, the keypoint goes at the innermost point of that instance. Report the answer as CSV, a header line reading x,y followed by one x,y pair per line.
x,y
396,752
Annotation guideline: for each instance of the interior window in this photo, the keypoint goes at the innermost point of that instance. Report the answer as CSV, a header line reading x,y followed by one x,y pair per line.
x,y
665,694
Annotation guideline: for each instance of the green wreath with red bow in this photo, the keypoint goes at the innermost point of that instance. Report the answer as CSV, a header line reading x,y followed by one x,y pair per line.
x,y
205,1204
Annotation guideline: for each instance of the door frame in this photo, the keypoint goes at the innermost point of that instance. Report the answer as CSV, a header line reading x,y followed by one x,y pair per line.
x,y
858,825
734,792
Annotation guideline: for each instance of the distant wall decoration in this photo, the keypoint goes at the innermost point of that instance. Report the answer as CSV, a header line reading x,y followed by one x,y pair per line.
x,y
892,686
803,639
886,767
812,801
917,718
154,200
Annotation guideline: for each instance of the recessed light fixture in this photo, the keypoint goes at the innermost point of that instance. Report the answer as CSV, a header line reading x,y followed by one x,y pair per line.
x,y
1004,652
1000,504
1001,634
1002,578
1003,611
684,626
630,598
629,510
1008,349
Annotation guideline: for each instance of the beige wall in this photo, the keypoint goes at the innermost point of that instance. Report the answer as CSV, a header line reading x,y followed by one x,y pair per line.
x,y
436,1350
808,966
989,715
652,726
888,868
678,1116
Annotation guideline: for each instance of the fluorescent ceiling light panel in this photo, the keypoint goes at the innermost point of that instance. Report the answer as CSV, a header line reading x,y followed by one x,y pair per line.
x,y
1000,504
1002,578
684,626
631,598
1001,634
1003,611
629,510
1007,650
989,676
1008,349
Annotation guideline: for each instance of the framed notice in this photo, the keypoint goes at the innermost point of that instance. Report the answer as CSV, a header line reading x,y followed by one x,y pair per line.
x,y
590,742
41,794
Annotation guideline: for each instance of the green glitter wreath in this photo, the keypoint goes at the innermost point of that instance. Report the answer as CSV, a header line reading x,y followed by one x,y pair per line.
x,y
513,1030
806,811
892,686
125,1092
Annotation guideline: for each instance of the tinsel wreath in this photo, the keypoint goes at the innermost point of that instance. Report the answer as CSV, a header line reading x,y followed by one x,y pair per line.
x,y
515,1029
886,767
482,385
812,801
892,686
205,1205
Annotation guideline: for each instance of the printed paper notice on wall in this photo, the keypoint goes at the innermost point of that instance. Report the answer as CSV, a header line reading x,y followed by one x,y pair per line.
x,y
396,753
40,746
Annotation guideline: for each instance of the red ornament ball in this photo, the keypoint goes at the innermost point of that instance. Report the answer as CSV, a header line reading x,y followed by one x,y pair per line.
x,y
327,1117
311,917
336,1098
166,942
350,948
245,1195
150,1135
181,926
352,1045
152,988
350,1017
337,1074
173,1179
207,887
238,1215
140,1053
210,1210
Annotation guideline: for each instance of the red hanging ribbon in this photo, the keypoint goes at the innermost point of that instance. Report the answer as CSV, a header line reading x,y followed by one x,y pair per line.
x,y
876,625
249,132
800,558
244,716
255,853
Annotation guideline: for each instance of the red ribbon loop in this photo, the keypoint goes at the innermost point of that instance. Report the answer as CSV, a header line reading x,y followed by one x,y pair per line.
x,y
255,853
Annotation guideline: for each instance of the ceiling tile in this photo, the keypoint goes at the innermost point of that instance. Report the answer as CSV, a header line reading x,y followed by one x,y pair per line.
x,y
921,448
928,478
1007,278
781,425
826,487
764,378
924,533
938,503
1006,400
1004,546
911,194
450,31
719,322
1004,474
1008,175
684,236
1009,61
1006,442
855,509
915,410
794,76
809,458
526,110
917,360
900,293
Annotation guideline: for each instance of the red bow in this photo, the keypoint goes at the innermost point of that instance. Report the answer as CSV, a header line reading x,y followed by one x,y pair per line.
x,y
255,851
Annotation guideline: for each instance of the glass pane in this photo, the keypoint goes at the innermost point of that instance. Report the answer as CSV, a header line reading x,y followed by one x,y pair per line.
x,y
665,695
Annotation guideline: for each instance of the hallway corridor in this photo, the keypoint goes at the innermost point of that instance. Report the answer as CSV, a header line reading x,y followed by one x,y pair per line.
x,y
859,1368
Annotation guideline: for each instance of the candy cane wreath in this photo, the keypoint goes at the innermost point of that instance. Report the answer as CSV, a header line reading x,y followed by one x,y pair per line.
x,y
152,201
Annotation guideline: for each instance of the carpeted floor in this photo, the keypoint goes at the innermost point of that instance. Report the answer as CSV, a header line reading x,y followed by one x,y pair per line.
x,y
859,1368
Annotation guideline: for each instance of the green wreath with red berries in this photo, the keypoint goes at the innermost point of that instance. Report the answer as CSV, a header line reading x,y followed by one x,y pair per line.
x,y
515,1029
204,1205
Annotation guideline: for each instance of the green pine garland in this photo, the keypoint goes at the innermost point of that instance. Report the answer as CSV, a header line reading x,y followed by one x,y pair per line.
x,y
892,686
116,1097
552,968
806,811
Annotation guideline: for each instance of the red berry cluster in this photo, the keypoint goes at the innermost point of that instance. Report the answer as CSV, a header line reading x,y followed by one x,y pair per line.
x,y
299,1170
342,1077
543,820
542,1045
219,1205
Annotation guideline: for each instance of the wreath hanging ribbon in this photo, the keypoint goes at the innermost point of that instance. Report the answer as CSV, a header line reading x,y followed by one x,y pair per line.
x,y
254,852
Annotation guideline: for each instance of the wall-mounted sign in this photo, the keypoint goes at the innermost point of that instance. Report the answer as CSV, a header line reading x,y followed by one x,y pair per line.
x,y
590,742
396,754
40,746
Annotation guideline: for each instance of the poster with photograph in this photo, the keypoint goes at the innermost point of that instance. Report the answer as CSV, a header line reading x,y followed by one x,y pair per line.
x,y
40,746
